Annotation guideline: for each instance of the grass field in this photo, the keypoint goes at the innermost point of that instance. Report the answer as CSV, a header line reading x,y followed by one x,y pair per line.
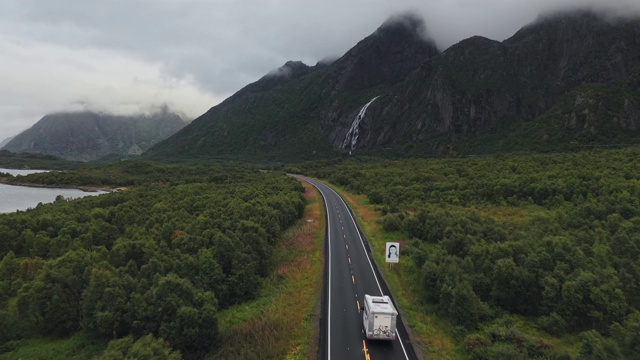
x,y
78,347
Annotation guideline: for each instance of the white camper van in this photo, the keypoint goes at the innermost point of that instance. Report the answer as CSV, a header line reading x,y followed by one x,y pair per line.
x,y
379,318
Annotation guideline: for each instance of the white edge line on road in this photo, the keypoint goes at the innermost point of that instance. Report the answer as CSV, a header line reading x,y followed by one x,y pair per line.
x,y
371,265
329,266
329,262
329,274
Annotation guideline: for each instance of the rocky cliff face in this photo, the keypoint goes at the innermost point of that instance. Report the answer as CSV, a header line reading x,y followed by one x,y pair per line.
x,y
395,89
87,136
371,68
467,88
385,57
481,86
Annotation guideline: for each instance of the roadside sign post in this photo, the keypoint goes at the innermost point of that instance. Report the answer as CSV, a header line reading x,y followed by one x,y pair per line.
x,y
392,253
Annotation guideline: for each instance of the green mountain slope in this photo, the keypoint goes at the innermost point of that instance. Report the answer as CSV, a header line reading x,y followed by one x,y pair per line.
x,y
258,124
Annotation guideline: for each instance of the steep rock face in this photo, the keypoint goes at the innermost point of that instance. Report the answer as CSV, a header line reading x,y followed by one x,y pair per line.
x,y
465,89
385,57
481,86
560,52
87,136
381,60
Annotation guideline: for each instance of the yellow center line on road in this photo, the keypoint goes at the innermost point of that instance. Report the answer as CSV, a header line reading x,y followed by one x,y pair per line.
x,y
353,279
366,351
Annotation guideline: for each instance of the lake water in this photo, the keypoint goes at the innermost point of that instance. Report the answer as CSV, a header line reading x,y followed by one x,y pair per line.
x,y
14,198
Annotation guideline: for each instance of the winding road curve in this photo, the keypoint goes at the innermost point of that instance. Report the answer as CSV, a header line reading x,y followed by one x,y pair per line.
x,y
350,273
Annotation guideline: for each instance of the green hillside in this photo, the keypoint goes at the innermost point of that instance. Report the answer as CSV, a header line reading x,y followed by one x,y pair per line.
x,y
278,125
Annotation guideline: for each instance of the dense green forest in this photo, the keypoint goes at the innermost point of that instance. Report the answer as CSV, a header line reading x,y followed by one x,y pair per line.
x,y
147,268
529,257
35,161
548,240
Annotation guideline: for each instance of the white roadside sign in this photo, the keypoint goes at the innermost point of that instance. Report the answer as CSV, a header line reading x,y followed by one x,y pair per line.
x,y
392,254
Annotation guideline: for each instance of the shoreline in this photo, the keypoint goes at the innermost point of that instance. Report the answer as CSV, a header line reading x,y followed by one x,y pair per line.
x,y
23,197
72,187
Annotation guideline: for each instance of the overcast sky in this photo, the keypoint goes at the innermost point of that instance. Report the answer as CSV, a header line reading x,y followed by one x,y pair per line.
x,y
126,56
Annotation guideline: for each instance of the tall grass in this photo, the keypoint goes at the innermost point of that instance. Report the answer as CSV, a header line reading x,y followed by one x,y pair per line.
x,y
282,323
77,347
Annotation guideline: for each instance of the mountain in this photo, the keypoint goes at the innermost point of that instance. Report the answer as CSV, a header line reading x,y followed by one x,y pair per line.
x,y
306,114
5,141
568,79
87,136
516,89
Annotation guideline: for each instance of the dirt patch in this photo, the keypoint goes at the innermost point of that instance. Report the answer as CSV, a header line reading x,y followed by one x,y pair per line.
x,y
367,212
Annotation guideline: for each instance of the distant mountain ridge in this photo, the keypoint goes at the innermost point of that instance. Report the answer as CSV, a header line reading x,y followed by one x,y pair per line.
x,y
88,136
5,141
571,78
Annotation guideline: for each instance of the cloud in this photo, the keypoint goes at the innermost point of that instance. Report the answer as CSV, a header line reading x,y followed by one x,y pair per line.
x,y
47,78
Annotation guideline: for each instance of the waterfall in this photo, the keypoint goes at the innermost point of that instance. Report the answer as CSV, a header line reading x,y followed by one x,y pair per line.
x,y
352,136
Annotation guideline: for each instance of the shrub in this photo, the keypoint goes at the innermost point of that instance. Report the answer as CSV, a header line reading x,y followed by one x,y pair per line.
x,y
146,347
391,222
474,342
596,347
553,323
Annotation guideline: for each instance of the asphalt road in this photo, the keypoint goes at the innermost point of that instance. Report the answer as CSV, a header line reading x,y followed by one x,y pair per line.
x,y
349,275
